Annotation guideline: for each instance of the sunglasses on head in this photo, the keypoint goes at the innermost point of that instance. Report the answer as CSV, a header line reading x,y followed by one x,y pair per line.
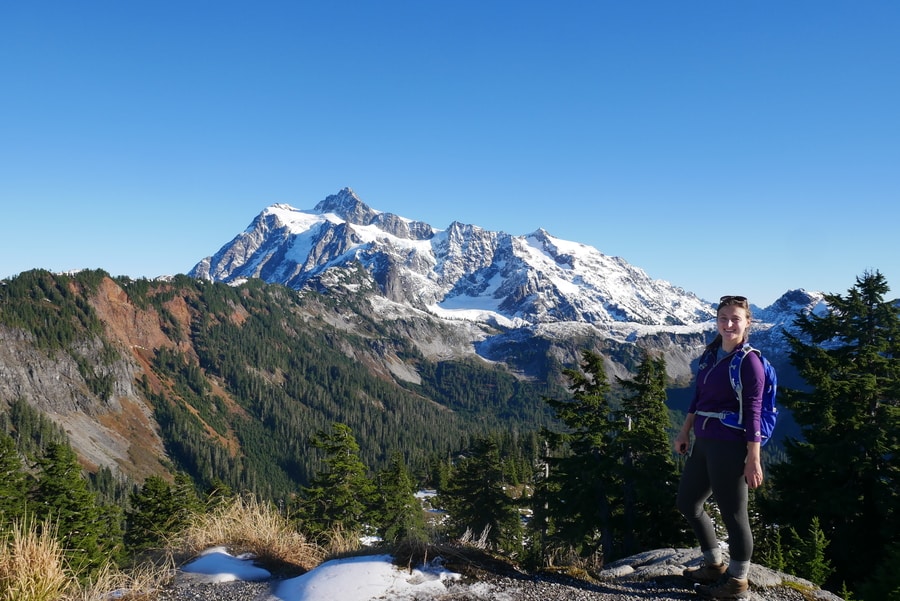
x,y
733,299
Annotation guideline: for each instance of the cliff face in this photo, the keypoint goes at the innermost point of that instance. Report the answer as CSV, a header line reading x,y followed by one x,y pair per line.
x,y
115,429
109,424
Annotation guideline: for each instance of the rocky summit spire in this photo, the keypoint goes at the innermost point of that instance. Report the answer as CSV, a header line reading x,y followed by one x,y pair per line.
x,y
347,205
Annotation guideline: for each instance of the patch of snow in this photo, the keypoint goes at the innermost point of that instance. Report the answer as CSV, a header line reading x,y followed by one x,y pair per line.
x,y
365,578
217,565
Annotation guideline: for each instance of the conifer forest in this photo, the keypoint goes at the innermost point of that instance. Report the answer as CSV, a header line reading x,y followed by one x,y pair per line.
x,y
257,390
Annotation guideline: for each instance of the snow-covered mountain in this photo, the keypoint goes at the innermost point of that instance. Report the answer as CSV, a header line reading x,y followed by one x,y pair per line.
x,y
463,271
510,290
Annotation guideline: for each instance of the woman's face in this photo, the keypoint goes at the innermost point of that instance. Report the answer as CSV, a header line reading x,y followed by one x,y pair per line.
x,y
732,325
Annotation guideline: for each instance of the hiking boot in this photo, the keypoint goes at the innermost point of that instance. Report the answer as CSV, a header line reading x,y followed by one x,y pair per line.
x,y
728,587
705,574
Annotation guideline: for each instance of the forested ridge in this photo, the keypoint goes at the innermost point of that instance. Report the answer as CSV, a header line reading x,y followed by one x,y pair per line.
x,y
254,388
247,375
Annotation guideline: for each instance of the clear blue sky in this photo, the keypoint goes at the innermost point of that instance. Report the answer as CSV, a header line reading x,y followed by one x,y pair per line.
x,y
727,147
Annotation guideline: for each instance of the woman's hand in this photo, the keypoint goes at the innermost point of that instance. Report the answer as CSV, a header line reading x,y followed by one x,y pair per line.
x,y
753,473
683,442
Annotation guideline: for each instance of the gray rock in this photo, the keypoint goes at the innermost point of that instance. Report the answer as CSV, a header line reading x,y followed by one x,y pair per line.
x,y
650,575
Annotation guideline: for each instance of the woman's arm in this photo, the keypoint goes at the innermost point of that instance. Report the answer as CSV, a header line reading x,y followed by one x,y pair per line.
x,y
753,378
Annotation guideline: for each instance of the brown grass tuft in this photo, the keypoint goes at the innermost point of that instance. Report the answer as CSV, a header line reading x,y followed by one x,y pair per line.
x,y
338,542
32,565
33,568
248,526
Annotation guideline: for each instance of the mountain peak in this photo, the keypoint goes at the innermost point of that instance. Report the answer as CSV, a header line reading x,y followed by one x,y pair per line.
x,y
348,206
466,272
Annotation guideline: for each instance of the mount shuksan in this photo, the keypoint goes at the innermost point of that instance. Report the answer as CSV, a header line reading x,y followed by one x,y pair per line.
x,y
462,272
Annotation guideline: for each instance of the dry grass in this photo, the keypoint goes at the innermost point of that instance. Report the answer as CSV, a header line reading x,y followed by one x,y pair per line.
x,y
248,526
32,565
33,568
138,584
338,542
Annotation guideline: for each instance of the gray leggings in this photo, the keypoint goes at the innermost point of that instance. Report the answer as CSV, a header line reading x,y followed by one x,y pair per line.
x,y
716,467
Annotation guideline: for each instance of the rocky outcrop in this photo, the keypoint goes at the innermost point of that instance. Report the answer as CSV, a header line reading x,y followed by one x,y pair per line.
x,y
664,566
650,575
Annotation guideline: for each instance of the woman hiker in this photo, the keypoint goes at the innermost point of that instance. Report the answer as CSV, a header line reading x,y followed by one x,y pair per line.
x,y
724,461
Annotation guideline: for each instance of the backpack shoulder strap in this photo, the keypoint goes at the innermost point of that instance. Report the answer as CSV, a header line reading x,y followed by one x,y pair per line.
x,y
734,374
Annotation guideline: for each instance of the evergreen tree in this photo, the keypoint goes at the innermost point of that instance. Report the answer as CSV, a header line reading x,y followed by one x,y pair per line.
x,y
574,503
807,556
341,497
13,481
398,512
111,488
649,476
217,493
476,498
62,497
438,471
157,511
845,469
111,525
188,500
769,548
